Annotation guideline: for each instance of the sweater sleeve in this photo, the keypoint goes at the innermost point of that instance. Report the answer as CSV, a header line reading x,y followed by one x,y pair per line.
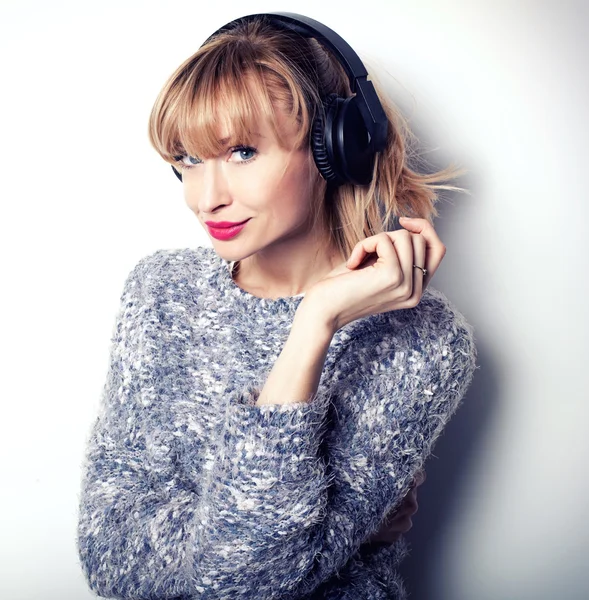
x,y
281,515
134,520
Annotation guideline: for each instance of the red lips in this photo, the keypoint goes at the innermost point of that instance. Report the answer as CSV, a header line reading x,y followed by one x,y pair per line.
x,y
223,224
226,233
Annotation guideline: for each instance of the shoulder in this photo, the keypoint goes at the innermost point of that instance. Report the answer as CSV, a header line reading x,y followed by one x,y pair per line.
x,y
153,273
434,319
435,316
432,335
439,336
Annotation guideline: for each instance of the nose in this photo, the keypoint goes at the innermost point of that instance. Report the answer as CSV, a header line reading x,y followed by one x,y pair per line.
x,y
209,186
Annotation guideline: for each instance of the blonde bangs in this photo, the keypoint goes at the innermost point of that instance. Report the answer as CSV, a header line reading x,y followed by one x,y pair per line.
x,y
217,93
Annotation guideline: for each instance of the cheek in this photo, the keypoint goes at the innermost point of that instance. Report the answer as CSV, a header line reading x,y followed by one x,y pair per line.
x,y
287,196
299,186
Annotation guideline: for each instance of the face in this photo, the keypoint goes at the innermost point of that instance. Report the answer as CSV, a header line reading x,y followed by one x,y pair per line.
x,y
263,183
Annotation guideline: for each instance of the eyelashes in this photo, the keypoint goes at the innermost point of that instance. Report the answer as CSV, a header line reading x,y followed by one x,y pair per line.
x,y
245,149
195,161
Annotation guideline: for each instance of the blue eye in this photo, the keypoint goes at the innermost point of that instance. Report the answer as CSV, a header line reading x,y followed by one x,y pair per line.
x,y
245,149
182,164
186,161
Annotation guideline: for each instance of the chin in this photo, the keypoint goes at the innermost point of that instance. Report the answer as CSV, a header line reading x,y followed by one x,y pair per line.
x,y
225,253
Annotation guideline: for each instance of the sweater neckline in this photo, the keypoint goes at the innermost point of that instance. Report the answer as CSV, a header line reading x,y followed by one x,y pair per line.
x,y
252,301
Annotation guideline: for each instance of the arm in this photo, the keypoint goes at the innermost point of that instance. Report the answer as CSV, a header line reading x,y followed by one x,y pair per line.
x,y
296,373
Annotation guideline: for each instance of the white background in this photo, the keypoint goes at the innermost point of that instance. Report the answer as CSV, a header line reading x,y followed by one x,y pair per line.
x,y
499,87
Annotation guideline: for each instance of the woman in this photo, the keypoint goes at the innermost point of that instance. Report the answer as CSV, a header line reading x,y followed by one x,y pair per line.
x,y
272,399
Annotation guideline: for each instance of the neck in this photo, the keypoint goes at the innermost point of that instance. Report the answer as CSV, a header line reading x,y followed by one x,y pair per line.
x,y
273,275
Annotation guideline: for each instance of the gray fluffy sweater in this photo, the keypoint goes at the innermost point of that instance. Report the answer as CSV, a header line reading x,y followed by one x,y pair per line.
x,y
189,491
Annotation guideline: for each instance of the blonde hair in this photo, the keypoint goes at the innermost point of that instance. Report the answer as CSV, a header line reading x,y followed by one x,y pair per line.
x,y
254,70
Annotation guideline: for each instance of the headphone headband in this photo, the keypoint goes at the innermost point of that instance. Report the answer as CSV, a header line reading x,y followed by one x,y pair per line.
x,y
370,107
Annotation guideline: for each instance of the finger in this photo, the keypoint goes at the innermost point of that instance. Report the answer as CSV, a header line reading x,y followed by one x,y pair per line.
x,y
406,248
381,245
395,254
435,249
419,260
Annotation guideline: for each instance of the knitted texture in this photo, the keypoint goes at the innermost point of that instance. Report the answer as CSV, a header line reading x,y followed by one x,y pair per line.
x,y
190,491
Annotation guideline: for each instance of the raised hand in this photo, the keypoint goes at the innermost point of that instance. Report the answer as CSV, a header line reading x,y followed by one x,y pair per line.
x,y
380,275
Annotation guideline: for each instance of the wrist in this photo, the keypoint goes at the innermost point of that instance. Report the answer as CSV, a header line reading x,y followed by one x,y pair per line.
x,y
314,312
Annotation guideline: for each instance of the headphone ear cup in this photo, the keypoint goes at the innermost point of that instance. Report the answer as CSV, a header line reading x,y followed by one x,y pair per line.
x,y
353,146
322,141
342,147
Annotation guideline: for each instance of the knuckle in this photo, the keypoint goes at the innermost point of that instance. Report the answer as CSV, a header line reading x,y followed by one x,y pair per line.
x,y
407,290
395,279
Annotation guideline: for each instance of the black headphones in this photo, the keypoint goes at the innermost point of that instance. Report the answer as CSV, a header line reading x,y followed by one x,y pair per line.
x,y
355,128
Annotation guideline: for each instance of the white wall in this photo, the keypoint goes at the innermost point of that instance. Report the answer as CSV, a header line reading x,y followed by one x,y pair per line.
x,y
500,87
